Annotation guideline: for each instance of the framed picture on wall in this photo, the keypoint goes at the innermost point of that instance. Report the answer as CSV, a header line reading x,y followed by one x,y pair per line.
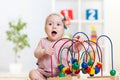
x,y
91,14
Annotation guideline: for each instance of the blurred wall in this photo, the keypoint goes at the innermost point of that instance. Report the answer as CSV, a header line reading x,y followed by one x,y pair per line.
x,y
34,13
112,23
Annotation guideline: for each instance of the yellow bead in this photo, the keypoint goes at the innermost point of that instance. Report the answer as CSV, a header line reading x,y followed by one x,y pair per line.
x,y
79,61
64,69
92,71
70,67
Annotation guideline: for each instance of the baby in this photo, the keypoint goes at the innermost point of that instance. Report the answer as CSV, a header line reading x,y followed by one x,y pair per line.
x,y
54,28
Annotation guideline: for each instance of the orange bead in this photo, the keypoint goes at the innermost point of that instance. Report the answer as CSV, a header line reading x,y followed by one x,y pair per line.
x,y
99,65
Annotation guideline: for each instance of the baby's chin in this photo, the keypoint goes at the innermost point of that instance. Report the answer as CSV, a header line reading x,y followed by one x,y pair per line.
x,y
55,38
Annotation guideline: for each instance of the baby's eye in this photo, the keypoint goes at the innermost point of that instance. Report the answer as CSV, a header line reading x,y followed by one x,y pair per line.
x,y
58,24
50,24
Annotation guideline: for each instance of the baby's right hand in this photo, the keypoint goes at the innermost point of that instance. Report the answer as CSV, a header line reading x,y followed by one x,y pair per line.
x,y
49,51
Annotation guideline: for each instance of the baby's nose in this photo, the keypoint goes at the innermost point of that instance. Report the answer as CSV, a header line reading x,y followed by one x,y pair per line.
x,y
54,26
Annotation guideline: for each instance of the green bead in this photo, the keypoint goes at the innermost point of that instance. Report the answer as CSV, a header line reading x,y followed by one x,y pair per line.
x,y
83,71
90,63
61,74
112,72
76,65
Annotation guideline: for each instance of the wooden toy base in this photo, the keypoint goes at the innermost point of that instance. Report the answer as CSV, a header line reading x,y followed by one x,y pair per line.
x,y
89,78
104,78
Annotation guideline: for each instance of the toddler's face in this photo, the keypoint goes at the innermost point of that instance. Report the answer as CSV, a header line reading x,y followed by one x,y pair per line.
x,y
54,27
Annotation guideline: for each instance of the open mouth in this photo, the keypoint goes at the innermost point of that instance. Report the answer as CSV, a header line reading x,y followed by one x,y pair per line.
x,y
53,33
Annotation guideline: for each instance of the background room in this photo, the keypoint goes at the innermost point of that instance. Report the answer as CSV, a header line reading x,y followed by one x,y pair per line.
x,y
34,12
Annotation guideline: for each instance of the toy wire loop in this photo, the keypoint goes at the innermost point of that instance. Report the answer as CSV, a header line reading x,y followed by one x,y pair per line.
x,y
85,36
88,64
112,72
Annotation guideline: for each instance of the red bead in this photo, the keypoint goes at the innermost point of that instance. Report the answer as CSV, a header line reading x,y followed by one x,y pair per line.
x,y
68,71
87,70
77,71
99,65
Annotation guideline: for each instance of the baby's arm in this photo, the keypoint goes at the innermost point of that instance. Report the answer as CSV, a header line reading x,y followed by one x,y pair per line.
x,y
40,52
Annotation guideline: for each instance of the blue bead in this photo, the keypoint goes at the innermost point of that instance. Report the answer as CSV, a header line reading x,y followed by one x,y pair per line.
x,y
97,70
74,60
84,65
60,67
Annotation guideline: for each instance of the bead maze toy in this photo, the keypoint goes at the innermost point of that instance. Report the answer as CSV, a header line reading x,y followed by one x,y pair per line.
x,y
79,59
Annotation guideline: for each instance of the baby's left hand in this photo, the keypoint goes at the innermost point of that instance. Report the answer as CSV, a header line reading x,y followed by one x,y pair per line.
x,y
78,42
49,51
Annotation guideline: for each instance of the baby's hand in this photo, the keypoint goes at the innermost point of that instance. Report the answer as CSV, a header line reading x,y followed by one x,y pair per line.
x,y
78,38
49,51
78,43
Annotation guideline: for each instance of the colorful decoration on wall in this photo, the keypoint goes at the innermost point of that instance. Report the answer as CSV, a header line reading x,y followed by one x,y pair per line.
x,y
66,22
91,14
68,13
